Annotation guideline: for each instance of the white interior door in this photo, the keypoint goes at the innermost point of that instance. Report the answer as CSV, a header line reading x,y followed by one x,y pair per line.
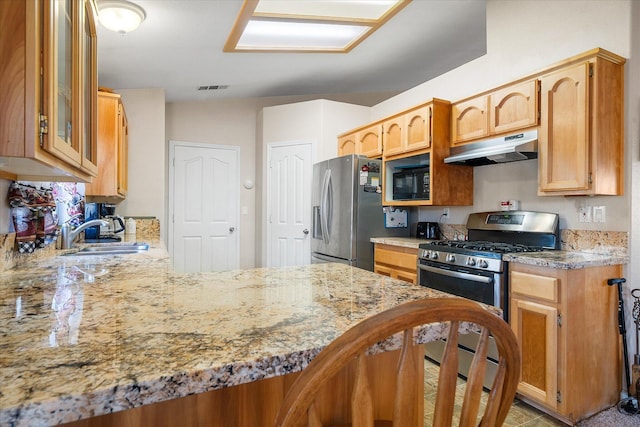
x,y
204,201
289,204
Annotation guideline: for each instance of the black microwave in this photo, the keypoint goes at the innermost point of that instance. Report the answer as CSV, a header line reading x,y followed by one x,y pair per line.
x,y
411,184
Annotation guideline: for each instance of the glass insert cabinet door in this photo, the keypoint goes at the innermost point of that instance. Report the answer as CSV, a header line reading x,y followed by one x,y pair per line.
x,y
69,88
89,111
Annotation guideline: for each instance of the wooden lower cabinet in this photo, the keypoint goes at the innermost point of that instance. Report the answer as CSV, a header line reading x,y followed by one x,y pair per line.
x,y
566,325
256,404
396,261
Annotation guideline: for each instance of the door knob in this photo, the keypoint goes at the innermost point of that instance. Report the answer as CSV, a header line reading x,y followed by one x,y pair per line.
x,y
305,231
232,229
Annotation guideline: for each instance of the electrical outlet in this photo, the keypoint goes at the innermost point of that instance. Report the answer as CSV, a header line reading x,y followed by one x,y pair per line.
x,y
599,214
445,212
584,214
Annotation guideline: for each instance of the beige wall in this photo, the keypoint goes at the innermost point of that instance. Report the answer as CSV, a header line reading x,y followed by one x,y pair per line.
x,y
524,37
145,110
225,123
317,122
234,122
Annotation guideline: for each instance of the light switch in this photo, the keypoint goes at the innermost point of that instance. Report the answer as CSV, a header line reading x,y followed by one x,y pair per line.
x,y
599,213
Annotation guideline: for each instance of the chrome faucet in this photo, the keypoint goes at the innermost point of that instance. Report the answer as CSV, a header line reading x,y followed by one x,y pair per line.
x,y
68,235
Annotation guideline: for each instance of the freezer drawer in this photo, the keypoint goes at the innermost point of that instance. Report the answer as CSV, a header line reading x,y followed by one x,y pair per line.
x,y
320,259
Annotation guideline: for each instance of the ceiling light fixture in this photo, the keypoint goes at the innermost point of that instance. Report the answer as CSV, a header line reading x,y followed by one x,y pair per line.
x,y
120,16
308,25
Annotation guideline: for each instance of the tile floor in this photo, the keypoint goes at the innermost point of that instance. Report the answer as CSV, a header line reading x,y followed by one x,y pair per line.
x,y
521,414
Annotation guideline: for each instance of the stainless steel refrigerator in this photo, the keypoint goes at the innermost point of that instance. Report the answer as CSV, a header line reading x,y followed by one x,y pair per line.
x,y
347,211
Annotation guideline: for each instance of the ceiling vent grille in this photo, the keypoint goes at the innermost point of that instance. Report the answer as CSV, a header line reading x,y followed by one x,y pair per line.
x,y
213,87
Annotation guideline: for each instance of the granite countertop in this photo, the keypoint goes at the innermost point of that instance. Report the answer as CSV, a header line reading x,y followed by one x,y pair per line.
x,y
566,259
84,336
407,242
553,259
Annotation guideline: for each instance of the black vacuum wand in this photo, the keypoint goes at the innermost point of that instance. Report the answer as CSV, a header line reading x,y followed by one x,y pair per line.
x,y
628,405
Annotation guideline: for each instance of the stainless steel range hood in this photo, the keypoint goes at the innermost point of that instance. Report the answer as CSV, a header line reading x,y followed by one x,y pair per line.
x,y
510,148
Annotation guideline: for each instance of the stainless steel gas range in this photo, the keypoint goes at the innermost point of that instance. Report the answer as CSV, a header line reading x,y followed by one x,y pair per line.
x,y
475,269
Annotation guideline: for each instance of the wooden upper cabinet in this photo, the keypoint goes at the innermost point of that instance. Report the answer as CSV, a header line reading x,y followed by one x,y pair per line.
x,y
407,132
48,84
507,109
394,136
123,152
418,123
581,142
424,143
369,141
347,144
470,120
113,134
88,113
514,107
60,67
366,141
564,130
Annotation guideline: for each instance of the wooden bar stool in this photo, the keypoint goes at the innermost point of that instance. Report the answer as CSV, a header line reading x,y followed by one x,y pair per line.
x,y
298,408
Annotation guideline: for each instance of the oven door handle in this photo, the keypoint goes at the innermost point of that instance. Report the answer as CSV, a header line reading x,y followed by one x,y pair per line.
x,y
456,274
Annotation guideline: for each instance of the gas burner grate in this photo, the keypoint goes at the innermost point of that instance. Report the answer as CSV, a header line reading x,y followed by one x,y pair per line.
x,y
487,246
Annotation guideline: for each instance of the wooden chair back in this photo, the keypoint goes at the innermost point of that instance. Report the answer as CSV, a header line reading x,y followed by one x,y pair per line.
x,y
298,407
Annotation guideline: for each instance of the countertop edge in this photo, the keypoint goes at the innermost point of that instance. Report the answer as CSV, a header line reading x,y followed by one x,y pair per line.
x,y
405,242
566,260
155,390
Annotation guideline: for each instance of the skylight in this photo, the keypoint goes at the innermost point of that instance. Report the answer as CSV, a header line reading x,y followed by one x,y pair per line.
x,y
308,25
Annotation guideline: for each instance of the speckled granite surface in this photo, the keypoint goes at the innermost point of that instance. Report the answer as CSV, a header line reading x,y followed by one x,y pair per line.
x,y
84,336
566,259
580,249
407,242
599,242
146,228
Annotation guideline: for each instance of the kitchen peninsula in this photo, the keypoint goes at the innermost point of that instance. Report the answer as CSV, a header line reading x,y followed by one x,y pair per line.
x,y
87,336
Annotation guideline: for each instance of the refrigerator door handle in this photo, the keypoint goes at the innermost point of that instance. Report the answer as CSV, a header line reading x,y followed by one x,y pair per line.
x,y
316,229
324,206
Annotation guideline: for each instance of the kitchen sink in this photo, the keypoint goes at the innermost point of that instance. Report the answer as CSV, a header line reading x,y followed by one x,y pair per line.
x,y
112,249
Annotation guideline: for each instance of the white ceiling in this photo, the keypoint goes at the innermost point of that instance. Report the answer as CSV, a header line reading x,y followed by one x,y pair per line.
x,y
179,48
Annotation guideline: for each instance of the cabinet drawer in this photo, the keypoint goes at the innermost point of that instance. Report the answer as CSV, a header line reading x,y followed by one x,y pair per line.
x,y
533,285
396,258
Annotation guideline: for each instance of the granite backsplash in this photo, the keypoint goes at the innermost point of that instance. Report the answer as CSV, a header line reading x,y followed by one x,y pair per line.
x,y
600,242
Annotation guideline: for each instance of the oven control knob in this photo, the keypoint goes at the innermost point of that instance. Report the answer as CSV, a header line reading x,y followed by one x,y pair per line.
x,y
471,261
451,258
482,264
433,254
